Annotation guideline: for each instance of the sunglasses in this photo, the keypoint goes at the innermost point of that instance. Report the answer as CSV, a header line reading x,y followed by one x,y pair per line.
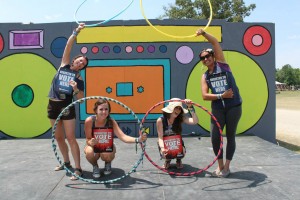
x,y
206,56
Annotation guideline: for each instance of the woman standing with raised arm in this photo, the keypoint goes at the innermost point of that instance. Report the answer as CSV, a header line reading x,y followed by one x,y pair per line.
x,y
225,97
67,84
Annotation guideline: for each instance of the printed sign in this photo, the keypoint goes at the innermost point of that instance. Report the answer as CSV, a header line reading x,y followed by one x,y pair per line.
x,y
218,82
105,139
174,145
64,77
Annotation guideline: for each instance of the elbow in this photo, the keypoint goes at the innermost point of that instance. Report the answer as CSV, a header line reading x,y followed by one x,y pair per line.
x,y
205,98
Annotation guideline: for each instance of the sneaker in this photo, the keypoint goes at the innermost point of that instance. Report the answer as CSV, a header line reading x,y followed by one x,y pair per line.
x,y
96,171
224,174
107,168
215,173
179,164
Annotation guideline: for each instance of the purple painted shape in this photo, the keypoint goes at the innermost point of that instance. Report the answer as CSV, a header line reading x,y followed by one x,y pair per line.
x,y
31,39
26,39
184,54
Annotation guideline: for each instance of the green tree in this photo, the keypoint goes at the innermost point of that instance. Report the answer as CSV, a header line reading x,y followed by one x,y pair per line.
x,y
230,10
288,75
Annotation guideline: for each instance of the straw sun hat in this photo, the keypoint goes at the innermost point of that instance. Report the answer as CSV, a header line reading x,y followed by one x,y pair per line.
x,y
170,108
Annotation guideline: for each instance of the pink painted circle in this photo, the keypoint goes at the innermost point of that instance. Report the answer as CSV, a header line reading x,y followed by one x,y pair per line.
x,y
257,40
84,50
128,49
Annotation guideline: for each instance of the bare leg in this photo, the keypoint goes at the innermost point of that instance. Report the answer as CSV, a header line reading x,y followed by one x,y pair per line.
x,y
69,126
60,138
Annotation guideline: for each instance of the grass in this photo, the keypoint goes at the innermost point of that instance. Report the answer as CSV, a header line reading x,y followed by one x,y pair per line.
x,y
288,100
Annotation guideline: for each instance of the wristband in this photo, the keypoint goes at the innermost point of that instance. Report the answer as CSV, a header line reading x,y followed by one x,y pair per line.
x,y
136,140
219,96
203,33
75,33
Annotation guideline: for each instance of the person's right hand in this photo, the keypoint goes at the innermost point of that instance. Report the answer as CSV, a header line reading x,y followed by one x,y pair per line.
x,y
200,32
164,151
93,142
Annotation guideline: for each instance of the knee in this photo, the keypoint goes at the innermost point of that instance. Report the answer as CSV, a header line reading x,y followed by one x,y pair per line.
x,y
107,157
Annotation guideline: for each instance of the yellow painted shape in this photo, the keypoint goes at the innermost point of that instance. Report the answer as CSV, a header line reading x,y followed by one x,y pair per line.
x,y
252,84
143,34
37,73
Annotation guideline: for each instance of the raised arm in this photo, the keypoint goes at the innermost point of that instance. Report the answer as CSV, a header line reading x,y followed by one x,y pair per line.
x,y
219,55
66,55
194,119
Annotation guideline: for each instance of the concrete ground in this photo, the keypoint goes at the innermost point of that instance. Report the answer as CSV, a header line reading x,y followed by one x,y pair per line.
x,y
260,170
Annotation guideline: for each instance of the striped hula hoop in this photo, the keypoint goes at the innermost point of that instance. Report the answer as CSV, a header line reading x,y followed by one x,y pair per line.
x,y
186,173
91,180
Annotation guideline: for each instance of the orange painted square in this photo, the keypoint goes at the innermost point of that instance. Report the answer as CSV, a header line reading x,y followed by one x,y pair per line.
x,y
98,79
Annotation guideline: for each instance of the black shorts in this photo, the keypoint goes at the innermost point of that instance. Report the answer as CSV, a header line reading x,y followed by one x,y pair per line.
x,y
55,108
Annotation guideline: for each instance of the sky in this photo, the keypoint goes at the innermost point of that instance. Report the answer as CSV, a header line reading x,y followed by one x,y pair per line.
x,y
284,14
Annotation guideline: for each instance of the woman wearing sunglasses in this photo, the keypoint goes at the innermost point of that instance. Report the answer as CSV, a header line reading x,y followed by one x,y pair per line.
x,y
225,97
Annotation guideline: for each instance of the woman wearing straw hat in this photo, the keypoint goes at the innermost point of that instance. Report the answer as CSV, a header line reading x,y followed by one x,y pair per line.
x,y
169,129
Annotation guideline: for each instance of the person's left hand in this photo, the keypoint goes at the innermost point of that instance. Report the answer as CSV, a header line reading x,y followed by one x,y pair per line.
x,y
73,84
80,27
143,137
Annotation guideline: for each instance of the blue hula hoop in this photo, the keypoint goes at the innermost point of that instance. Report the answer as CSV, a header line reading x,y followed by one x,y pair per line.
x,y
133,169
103,22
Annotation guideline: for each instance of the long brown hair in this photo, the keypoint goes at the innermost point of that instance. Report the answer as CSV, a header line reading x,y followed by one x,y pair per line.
x,y
177,124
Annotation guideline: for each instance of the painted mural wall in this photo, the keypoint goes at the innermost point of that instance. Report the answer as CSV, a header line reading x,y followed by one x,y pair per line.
x,y
139,67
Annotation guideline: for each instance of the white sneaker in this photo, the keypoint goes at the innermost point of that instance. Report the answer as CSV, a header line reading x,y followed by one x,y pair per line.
x,y
224,174
107,168
96,171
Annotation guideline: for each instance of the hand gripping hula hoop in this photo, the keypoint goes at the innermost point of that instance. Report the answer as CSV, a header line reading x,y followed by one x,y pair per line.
x,y
174,36
91,180
186,173
103,22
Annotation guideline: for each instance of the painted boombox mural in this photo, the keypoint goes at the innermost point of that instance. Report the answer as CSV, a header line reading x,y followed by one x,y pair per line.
x,y
139,67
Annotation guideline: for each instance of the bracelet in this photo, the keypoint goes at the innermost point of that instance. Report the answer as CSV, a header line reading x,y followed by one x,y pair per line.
x,y
75,33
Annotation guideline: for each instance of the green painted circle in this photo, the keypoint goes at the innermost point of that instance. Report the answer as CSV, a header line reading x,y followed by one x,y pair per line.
x,y
22,95
24,71
252,85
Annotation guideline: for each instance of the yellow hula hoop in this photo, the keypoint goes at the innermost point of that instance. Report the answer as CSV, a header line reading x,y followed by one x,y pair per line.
x,y
174,36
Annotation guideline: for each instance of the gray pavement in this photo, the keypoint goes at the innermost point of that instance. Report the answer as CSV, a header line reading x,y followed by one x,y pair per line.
x,y
260,170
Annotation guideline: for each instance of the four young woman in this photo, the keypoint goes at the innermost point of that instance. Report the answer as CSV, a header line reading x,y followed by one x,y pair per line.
x,y
100,128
